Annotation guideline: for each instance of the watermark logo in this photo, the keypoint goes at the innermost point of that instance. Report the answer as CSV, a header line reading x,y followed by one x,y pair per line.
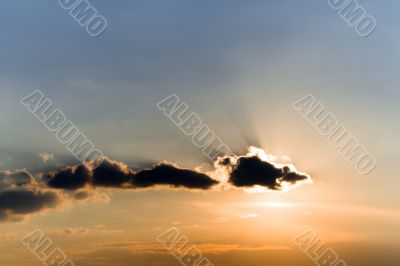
x,y
178,245
355,15
316,250
45,250
65,131
192,125
85,15
338,136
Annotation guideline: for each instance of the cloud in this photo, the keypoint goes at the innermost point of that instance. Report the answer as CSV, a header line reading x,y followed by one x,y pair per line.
x,y
72,177
83,231
75,231
167,174
46,156
90,196
16,204
23,194
205,247
17,178
114,174
253,169
260,169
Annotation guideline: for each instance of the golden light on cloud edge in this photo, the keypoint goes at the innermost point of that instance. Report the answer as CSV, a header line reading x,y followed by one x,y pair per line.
x,y
268,169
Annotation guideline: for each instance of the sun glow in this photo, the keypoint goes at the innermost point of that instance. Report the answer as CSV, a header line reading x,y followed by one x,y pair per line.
x,y
274,204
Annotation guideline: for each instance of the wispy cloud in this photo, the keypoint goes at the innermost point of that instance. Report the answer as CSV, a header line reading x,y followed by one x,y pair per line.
x,y
46,156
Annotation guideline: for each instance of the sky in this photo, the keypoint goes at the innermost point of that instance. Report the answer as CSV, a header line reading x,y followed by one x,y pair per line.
x,y
239,66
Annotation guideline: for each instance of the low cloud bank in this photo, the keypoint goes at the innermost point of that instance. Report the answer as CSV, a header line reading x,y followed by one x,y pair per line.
x,y
23,194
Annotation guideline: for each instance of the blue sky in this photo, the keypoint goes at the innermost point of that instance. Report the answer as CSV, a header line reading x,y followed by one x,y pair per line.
x,y
211,53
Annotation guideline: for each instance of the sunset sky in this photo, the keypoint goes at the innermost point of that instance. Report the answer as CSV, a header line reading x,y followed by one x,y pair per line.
x,y
239,66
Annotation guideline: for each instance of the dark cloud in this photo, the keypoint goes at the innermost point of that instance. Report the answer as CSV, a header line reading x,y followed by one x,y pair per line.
x,y
293,177
249,171
166,174
15,204
243,171
72,178
22,193
114,174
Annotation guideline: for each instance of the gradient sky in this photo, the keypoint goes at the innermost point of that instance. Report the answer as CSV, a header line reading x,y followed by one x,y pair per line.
x,y
239,65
